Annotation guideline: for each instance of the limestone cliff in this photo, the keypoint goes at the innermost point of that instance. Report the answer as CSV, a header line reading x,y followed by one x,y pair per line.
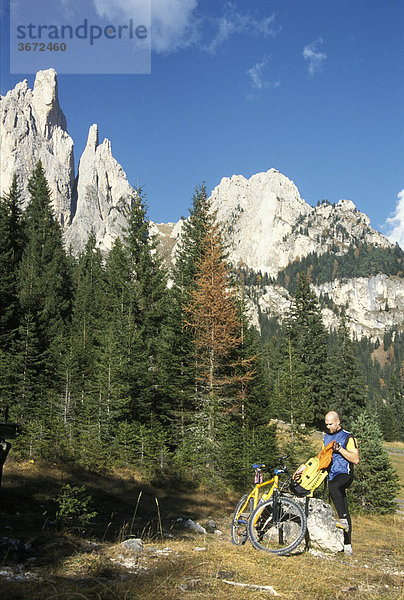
x,y
103,196
372,305
265,222
33,127
268,225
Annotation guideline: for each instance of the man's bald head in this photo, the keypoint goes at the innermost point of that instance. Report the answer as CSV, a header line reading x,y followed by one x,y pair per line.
x,y
332,421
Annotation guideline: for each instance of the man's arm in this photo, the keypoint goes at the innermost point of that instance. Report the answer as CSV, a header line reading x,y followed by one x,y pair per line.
x,y
350,453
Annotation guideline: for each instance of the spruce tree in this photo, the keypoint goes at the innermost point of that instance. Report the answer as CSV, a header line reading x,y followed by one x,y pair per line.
x,y
394,406
27,393
44,291
183,363
119,329
347,380
88,414
191,246
376,483
12,241
291,392
149,315
309,339
44,277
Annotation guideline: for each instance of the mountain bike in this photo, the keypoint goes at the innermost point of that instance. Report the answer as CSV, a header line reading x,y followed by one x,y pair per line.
x,y
271,520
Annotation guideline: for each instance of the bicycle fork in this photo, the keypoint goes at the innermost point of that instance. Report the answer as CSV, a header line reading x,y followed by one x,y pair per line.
x,y
277,517
273,521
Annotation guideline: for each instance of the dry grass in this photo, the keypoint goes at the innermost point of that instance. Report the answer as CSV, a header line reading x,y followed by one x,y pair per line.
x,y
94,565
177,570
394,445
397,462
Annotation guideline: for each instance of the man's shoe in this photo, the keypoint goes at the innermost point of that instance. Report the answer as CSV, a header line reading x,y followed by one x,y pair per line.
x,y
343,524
348,550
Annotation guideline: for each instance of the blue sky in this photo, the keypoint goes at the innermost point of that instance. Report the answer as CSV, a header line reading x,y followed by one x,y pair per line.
x,y
313,88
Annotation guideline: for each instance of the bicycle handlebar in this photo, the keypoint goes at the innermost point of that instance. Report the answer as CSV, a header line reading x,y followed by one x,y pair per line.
x,y
278,470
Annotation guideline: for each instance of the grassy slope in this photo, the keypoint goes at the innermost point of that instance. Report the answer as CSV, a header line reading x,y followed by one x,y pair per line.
x,y
92,565
396,458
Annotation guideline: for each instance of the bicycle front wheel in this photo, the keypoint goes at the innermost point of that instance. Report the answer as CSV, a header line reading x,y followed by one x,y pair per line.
x,y
278,526
238,529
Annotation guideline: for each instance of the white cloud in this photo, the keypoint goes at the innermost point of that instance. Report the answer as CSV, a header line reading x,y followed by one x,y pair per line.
x,y
178,24
395,224
174,24
258,75
314,57
232,22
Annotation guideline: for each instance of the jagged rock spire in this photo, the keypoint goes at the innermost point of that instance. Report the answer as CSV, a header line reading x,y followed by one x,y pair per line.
x,y
33,127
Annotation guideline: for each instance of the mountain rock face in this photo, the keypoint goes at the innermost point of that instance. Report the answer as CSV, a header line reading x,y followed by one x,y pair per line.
x,y
33,127
265,222
103,196
256,214
372,305
266,225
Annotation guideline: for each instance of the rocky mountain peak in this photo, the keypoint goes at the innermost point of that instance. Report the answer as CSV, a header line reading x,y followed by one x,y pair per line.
x,y
92,139
103,196
45,103
33,128
256,214
267,224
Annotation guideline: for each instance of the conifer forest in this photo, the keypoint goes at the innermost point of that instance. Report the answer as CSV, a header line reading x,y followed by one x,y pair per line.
x,y
117,361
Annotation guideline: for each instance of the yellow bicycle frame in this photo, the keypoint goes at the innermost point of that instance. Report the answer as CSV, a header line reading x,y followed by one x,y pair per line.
x,y
255,493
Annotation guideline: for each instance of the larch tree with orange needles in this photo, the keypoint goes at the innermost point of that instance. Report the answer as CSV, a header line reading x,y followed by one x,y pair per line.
x,y
213,317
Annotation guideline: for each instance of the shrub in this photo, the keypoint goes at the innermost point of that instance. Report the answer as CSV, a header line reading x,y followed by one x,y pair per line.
x,y
74,507
376,482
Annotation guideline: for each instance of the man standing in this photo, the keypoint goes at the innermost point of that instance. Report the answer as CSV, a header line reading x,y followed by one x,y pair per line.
x,y
340,477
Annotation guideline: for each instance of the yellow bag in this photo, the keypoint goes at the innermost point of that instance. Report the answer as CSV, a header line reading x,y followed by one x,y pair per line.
x,y
314,473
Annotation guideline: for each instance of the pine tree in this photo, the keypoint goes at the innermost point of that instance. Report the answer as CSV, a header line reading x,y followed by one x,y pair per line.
x,y
150,308
376,482
44,277
12,240
309,340
348,382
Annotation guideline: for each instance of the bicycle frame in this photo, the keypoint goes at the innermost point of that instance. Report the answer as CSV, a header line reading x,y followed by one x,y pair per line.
x,y
255,493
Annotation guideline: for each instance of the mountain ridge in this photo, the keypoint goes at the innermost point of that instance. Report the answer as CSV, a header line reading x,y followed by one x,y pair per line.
x,y
266,224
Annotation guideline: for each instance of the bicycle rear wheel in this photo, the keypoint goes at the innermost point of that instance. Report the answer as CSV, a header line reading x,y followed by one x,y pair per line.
x,y
238,529
278,526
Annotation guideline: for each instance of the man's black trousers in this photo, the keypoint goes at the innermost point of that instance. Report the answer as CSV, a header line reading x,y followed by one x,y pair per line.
x,y
338,486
